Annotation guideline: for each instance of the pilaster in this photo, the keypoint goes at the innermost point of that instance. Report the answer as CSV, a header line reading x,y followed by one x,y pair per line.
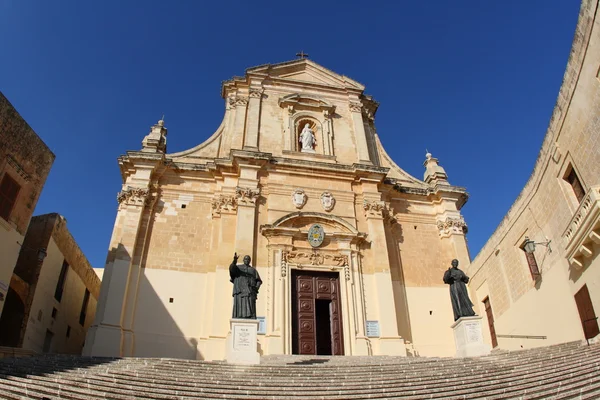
x,y
359,133
376,214
237,133
105,337
253,119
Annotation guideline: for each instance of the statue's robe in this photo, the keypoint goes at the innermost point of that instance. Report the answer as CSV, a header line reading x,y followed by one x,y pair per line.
x,y
461,304
246,282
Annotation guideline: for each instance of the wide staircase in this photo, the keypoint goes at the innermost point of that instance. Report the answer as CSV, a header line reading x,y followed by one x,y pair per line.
x,y
566,371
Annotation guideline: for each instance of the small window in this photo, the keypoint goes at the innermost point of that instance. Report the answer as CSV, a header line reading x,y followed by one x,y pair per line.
x,y
39,316
82,314
60,286
54,311
9,190
68,330
532,263
573,180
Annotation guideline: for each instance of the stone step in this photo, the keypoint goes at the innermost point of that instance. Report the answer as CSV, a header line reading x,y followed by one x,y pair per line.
x,y
150,369
298,382
203,369
128,388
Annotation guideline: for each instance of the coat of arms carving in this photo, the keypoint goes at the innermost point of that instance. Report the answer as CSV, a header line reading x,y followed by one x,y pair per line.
x,y
327,201
299,198
316,235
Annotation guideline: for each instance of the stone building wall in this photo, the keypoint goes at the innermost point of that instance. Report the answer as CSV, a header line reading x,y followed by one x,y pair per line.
x,y
34,318
182,216
548,210
27,160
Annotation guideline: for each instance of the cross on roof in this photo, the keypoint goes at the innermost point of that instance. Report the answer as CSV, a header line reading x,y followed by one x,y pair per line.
x,y
302,54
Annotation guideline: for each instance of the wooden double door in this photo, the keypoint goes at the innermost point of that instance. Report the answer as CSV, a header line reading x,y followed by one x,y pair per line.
x,y
316,313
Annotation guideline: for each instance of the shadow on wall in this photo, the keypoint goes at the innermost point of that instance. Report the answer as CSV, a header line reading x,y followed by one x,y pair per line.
x,y
155,333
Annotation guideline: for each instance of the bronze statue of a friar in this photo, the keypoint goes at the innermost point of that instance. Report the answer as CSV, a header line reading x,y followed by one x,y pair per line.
x,y
461,304
246,282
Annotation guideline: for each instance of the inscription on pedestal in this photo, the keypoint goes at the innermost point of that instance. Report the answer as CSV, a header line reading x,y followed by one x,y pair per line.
x,y
473,332
242,338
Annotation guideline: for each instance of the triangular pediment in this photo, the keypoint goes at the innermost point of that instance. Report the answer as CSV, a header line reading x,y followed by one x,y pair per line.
x,y
306,71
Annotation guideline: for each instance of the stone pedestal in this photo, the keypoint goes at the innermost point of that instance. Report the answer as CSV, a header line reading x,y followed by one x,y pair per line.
x,y
468,337
242,342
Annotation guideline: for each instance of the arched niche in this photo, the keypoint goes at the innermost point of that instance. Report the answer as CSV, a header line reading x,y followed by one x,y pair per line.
x,y
314,110
316,126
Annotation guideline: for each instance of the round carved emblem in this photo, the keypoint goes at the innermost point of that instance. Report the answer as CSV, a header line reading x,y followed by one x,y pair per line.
x,y
316,235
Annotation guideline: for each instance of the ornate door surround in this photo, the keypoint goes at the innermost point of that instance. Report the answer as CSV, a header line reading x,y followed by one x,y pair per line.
x,y
289,250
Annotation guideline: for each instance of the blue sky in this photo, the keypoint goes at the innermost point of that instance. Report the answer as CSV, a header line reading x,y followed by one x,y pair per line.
x,y
474,82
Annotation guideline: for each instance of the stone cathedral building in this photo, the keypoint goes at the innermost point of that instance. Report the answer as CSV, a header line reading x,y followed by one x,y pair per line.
x,y
297,147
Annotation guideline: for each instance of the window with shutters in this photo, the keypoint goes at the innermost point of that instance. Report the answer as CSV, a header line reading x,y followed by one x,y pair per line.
x,y
60,286
9,190
82,314
573,180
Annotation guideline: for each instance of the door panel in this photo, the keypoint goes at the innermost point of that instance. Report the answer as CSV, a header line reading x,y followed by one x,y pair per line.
x,y
586,313
307,288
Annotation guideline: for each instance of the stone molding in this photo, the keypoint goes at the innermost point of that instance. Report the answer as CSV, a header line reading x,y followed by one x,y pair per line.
x,y
452,225
133,196
246,196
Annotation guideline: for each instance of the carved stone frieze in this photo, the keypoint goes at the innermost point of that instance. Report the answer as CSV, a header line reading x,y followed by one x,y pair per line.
x,y
355,107
299,198
224,203
374,208
316,258
241,101
255,93
247,196
327,201
133,196
452,225
231,102
379,209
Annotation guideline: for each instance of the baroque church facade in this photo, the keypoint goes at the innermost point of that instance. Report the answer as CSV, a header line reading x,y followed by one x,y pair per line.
x,y
297,148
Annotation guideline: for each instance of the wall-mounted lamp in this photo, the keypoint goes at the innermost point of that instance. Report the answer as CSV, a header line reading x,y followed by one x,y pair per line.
x,y
529,246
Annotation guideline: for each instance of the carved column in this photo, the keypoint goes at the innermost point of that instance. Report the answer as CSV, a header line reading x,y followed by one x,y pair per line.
x,y
359,133
253,119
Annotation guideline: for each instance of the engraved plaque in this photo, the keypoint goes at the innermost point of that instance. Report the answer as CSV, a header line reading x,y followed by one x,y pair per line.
x,y
242,338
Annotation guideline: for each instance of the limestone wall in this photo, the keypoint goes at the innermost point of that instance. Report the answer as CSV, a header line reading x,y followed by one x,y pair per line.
x,y
547,210
26,159
182,216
